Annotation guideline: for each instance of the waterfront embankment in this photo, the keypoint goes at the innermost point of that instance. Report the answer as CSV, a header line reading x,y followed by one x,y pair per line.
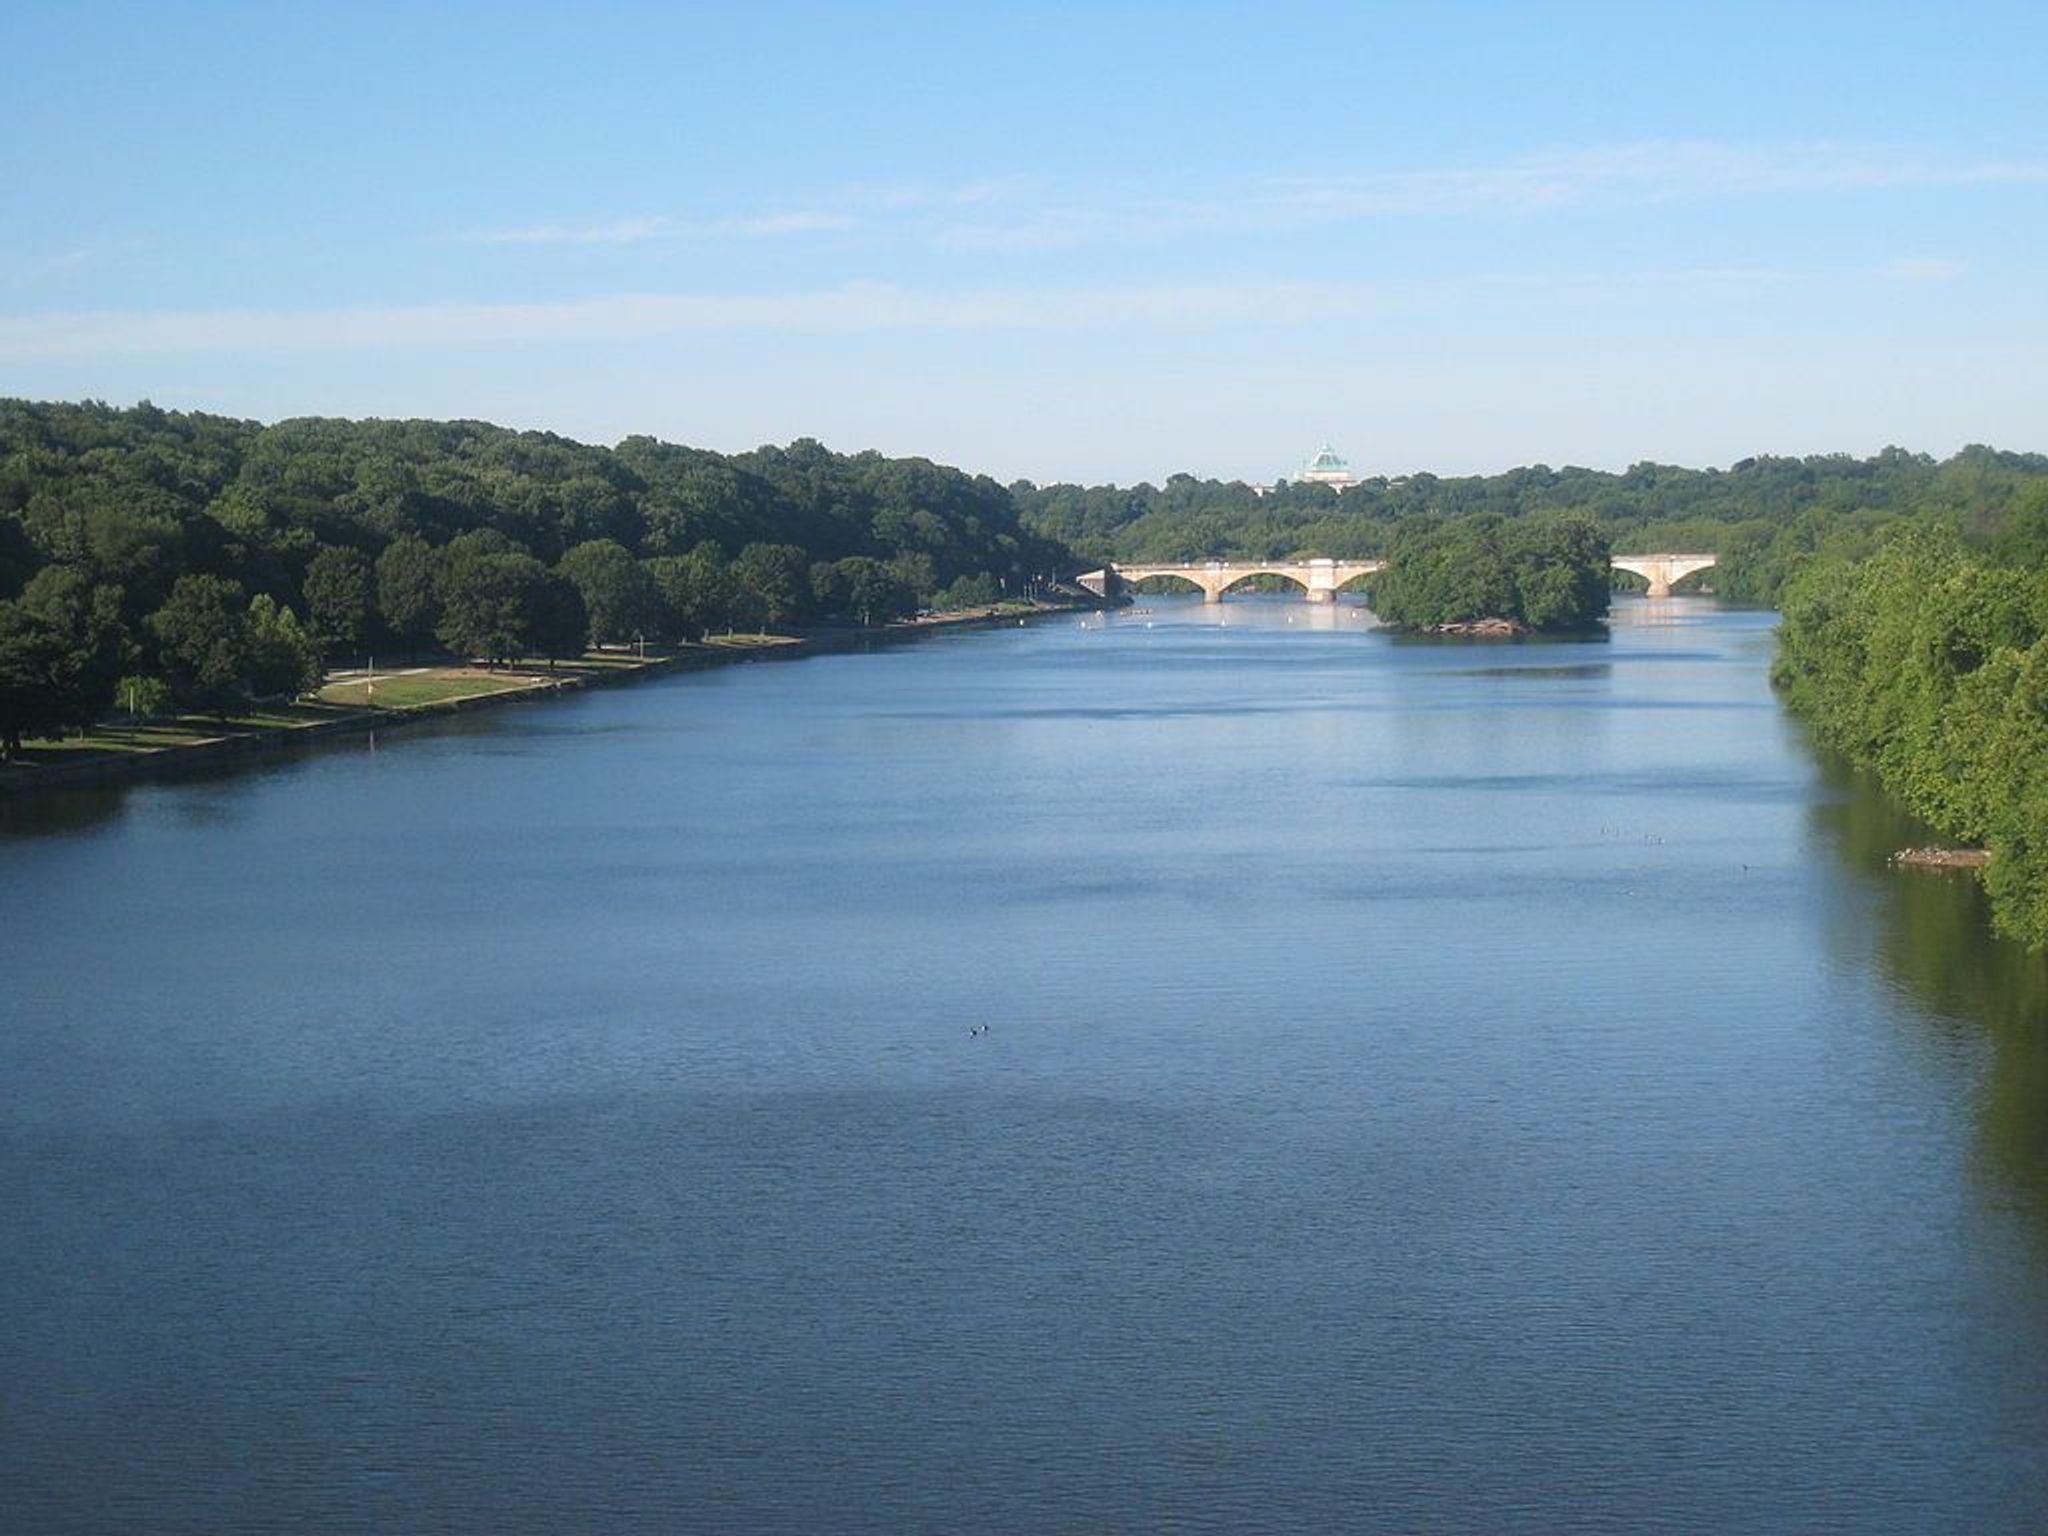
x,y
361,703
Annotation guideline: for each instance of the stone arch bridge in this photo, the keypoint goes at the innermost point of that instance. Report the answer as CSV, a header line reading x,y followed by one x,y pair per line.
x,y
1321,579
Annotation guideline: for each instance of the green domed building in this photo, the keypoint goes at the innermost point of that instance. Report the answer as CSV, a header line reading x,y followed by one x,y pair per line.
x,y
1328,467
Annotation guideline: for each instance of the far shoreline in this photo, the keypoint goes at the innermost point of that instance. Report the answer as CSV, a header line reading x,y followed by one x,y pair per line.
x,y
230,746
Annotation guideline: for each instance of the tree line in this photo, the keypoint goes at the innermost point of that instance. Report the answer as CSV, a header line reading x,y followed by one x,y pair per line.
x,y
1548,573
1928,663
1763,517
167,559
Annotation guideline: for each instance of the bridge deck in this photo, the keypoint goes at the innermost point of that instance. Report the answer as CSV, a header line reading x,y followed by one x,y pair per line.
x,y
1321,577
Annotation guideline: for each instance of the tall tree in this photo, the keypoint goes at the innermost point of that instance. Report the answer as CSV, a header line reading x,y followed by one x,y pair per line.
x,y
202,642
338,606
88,619
409,591
863,589
772,582
282,657
557,624
618,594
484,605
694,590
35,683
503,606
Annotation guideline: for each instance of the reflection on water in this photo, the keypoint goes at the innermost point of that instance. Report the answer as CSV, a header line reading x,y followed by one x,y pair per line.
x,y
1930,930
1210,1068
1537,674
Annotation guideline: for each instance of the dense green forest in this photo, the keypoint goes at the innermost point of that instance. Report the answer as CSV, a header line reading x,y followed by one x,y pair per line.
x,y
1764,517
194,560
186,560
1549,573
1928,662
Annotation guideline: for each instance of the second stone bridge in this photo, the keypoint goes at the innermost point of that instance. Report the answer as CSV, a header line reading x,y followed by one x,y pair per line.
x,y
1321,579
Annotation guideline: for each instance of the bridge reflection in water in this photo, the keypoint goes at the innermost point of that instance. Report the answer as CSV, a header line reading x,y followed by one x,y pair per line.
x,y
1321,579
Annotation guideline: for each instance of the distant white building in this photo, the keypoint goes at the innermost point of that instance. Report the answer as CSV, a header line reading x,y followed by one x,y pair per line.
x,y
1328,468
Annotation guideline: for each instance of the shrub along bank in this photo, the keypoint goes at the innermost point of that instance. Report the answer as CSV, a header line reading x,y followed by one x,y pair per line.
x,y
1928,663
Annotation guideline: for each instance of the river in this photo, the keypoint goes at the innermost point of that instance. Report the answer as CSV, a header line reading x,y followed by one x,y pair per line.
x,y
1197,1069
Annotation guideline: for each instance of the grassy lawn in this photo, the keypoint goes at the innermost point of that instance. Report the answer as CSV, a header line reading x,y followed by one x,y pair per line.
x,y
282,717
614,661
151,737
399,690
111,738
421,688
745,642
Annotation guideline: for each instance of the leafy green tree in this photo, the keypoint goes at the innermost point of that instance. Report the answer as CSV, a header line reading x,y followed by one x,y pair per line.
x,y
977,591
283,660
863,589
88,619
1560,572
338,601
1446,573
557,624
484,605
35,681
202,642
142,696
500,606
477,543
618,594
772,583
19,557
694,592
1930,665
409,591
916,574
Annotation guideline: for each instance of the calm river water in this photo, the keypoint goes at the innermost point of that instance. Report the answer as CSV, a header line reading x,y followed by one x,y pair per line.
x,y
1191,1071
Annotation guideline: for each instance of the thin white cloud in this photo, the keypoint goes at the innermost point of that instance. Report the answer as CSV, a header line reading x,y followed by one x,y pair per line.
x,y
617,232
994,189
1021,214
801,222
1657,170
661,227
1655,280
1052,231
80,258
2029,173
632,317
1922,269
917,197
880,307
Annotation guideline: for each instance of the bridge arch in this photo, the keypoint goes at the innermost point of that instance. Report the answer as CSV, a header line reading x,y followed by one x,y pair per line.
x,y
1661,570
1238,576
1183,581
1319,576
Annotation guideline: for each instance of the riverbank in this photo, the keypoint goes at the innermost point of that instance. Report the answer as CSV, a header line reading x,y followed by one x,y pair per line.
x,y
1940,858
357,703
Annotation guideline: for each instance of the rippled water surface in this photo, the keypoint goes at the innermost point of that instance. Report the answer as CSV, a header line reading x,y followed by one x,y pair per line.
x,y
1203,1070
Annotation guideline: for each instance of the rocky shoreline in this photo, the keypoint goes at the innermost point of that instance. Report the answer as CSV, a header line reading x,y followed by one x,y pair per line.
x,y
1940,858
1488,629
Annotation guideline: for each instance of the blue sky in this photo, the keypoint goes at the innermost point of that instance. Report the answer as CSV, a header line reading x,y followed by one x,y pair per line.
x,y
1088,241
